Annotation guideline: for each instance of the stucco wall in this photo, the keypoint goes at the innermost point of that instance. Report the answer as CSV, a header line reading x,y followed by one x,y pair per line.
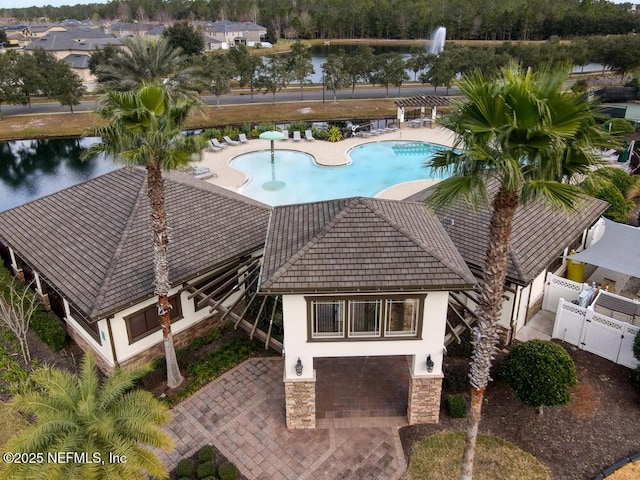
x,y
296,344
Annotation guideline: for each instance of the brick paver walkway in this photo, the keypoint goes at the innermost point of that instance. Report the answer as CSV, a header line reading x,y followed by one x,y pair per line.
x,y
242,414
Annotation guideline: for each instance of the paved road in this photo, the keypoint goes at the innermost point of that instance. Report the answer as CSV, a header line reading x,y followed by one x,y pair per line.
x,y
292,94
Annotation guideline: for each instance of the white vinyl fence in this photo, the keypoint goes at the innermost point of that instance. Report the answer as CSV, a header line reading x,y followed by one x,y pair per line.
x,y
595,333
557,288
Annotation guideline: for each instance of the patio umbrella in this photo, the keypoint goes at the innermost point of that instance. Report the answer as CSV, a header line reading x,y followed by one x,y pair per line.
x,y
272,135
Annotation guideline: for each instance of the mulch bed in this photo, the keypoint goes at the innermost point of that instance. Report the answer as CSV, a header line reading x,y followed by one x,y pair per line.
x,y
597,428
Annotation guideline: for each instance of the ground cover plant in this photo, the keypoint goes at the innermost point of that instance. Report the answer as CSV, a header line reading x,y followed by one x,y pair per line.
x,y
207,463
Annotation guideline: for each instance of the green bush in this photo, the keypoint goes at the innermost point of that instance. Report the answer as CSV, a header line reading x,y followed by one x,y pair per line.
x,y
185,468
334,134
636,347
246,129
620,126
299,126
206,469
540,372
231,132
618,177
255,133
228,471
49,329
206,454
619,208
210,133
266,127
456,406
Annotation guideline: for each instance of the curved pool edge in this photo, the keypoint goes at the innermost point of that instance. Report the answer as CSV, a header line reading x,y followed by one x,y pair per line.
x,y
400,191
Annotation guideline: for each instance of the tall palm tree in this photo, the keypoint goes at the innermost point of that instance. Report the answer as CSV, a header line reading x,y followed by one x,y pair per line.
x,y
524,134
111,423
148,60
144,130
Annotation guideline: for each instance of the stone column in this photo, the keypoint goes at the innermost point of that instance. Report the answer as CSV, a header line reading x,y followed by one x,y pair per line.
x,y
300,399
19,274
424,399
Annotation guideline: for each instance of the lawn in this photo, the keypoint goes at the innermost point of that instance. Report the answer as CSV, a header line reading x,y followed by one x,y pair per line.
x,y
438,457
10,424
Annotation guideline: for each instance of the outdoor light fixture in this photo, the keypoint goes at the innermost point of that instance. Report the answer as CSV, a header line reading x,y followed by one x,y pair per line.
x,y
430,364
299,367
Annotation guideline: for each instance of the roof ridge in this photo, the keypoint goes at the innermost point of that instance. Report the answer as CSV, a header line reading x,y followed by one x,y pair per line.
x,y
313,240
106,283
419,242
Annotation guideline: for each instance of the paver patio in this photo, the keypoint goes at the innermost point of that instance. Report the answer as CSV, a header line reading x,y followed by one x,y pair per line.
x,y
242,414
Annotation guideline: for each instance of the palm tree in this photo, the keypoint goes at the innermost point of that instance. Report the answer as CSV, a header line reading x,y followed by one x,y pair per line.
x,y
529,139
111,423
148,60
144,130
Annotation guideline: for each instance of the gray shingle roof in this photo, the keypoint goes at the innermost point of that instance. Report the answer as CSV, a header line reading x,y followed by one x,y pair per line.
x,y
77,60
93,241
59,41
359,244
423,101
539,234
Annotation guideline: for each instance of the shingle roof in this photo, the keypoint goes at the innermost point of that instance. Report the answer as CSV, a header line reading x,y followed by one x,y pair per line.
x,y
361,244
93,241
540,234
77,60
423,101
59,41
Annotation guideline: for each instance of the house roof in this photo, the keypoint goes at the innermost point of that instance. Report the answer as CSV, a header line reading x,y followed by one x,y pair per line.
x,y
220,26
359,244
93,241
57,41
540,234
77,60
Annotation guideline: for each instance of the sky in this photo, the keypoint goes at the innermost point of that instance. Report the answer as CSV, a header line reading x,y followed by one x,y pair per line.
x,y
42,3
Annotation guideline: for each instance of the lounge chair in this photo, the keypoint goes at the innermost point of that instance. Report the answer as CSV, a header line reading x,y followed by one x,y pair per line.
x,y
308,135
217,145
202,172
229,141
296,136
243,138
286,135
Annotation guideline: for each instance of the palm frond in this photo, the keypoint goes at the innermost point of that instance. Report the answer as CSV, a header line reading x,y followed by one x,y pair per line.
x,y
471,190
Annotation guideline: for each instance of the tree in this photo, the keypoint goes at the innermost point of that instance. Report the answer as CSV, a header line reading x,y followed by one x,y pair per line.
x,y
389,69
78,413
333,74
247,66
359,66
271,76
148,60
16,311
217,70
522,138
67,88
182,35
441,72
10,91
145,129
540,372
30,77
418,61
103,56
300,65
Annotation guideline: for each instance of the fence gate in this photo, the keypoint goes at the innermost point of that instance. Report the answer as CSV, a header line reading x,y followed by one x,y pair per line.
x,y
595,333
558,287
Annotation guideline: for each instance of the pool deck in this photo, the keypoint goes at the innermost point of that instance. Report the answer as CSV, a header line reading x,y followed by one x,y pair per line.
x,y
325,153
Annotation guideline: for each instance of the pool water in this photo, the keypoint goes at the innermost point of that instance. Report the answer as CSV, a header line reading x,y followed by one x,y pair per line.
x,y
294,177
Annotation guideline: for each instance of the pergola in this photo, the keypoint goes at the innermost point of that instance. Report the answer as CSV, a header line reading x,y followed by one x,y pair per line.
x,y
422,102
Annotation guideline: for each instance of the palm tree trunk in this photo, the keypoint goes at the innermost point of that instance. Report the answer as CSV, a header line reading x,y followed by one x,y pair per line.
x,y
485,341
155,192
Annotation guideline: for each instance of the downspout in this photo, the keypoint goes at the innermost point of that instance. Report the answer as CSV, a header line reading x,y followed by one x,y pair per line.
x,y
113,348
516,309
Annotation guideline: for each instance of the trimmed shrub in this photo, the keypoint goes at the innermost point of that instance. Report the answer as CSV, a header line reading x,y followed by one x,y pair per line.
x,y
228,471
210,133
49,329
185,468
540,372
619,208
300,126
456,406
206,469
456,377
206,454
232,132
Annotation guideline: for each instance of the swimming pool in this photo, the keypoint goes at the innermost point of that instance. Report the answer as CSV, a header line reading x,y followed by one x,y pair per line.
x,y
294,177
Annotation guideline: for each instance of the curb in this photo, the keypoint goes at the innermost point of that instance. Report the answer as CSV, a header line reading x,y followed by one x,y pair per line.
x,y
619,464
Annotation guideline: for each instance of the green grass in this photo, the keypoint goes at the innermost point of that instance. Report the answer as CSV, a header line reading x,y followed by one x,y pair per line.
x,y
439,457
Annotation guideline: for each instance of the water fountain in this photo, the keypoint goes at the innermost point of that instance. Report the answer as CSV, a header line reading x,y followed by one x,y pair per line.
x,y
437,40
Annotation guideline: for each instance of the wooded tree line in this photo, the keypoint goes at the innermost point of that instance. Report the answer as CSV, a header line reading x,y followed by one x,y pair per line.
x,y
464,19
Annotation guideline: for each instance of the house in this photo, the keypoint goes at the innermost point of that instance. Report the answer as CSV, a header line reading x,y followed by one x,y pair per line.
x,y
541,238
81,41
235,33
88,251
361,277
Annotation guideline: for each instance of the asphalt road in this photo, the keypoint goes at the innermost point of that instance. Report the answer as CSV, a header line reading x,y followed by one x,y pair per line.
x,y
292,94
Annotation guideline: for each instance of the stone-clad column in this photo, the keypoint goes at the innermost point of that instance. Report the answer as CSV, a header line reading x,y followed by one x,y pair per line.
x,y
424,399
300,398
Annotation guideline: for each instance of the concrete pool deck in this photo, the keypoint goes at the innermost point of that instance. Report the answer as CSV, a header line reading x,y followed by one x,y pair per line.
x,y
325,153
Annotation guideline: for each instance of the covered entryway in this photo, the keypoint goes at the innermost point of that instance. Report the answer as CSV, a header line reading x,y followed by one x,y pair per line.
x,y
351,387
418,105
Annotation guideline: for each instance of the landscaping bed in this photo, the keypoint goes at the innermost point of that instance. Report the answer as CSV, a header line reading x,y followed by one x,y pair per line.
x,y
597,428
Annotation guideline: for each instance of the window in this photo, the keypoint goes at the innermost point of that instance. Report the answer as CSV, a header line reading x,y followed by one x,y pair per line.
x,y
328,319
146,321
402,317
364,317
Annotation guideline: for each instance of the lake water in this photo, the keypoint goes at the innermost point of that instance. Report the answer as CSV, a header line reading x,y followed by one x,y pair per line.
x,y
30,169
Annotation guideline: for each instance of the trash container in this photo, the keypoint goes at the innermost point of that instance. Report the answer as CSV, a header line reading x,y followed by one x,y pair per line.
x,y
575,270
